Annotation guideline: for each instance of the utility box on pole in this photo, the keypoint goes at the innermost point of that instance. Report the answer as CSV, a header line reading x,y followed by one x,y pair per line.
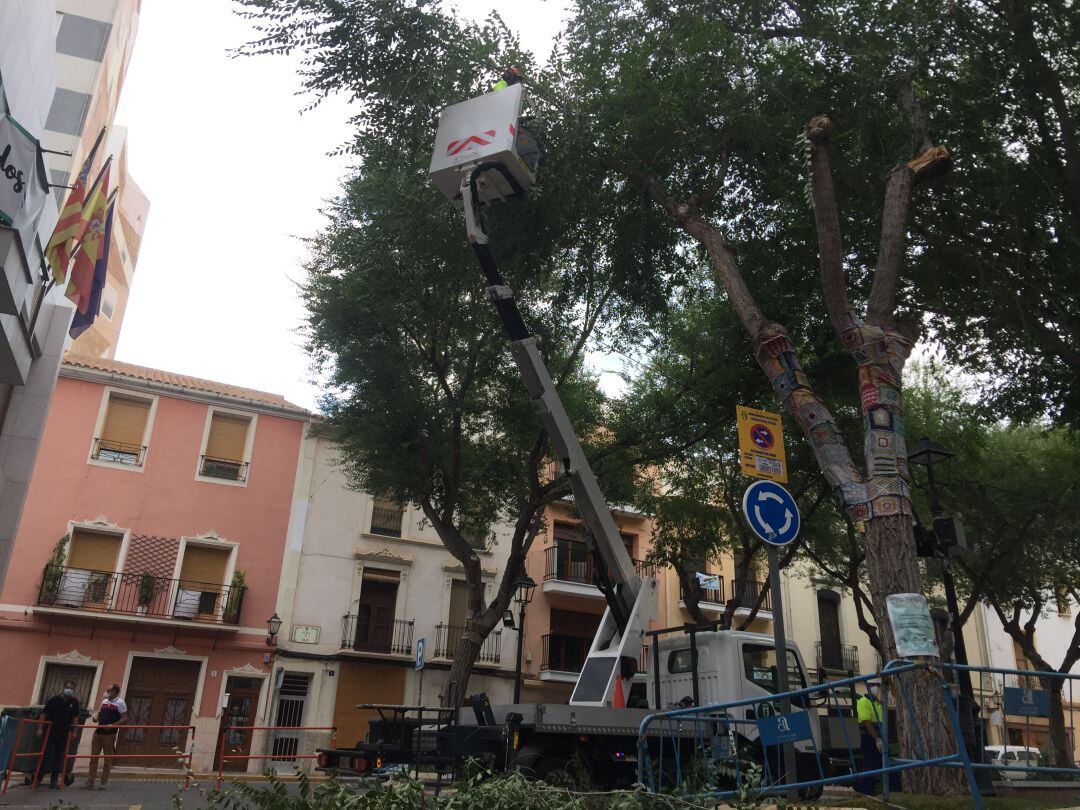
x,y
484,129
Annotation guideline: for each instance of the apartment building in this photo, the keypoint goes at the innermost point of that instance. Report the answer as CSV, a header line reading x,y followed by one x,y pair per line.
x,y
62,66
363,580
150,550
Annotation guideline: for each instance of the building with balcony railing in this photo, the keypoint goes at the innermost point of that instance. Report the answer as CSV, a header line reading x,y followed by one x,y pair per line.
x,y
379,569
147,554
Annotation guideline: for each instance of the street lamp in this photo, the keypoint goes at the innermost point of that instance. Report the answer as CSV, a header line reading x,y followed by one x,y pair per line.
x,y
523,594
273,624
926,453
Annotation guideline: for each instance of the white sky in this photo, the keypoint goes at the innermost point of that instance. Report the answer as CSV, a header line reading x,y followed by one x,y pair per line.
x,y
234,175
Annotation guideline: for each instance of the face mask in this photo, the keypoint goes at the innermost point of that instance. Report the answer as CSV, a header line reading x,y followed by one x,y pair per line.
x,y
69,693
873,691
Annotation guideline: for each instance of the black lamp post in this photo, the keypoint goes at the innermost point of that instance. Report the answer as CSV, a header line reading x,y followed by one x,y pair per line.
x,y
522,596
273,624
926,453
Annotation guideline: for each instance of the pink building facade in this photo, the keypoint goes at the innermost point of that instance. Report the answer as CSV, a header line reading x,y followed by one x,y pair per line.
x,y
149,553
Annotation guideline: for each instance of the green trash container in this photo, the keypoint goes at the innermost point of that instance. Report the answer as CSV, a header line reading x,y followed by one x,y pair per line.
x,y
27,743
31,743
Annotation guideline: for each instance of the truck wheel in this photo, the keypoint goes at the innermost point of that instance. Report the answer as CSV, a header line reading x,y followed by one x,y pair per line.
x,y
555,770
526,761
811,794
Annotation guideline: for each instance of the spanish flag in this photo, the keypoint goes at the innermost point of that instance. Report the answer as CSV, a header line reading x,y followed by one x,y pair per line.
x,y
93,245
71,226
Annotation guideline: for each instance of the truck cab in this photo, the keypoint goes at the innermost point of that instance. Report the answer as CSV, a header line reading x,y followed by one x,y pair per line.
x,y
732,665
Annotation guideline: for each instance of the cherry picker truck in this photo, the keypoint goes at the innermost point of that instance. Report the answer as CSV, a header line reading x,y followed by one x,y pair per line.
x,y
483,155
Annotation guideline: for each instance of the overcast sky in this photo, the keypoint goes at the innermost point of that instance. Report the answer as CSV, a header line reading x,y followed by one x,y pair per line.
x,y
235,175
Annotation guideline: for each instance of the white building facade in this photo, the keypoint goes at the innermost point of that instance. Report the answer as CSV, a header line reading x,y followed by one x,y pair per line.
x,y
363,580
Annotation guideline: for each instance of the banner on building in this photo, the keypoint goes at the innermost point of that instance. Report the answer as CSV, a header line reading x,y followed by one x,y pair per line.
x,y
23,188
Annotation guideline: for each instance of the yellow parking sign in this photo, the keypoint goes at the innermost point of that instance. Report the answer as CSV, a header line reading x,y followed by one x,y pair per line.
x,y
761,444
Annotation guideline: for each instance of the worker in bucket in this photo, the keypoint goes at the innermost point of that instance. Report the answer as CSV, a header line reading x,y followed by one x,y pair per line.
x,y
510,76
869,711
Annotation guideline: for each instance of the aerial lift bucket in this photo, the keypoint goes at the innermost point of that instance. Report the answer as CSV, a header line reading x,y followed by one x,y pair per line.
x,y
484,130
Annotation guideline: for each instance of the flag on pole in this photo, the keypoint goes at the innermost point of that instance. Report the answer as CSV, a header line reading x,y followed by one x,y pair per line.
x,y
71,226
82,320
93,245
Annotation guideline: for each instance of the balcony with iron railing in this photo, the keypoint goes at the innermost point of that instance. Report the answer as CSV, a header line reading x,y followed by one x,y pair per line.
x,y
384,637
227,469
571,569
131,455
838,658
748,597
386,520
140,595
448,637
567,654
709,598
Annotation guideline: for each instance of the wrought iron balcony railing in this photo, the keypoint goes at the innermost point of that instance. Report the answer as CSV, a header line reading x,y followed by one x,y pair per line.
x,y
564,653
448,636
132,455
838,658
227,469
748,598
135,594
712,595
574,563
389,637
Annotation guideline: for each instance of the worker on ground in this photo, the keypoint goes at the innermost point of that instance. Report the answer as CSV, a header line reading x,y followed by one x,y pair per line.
x,y
510,76
868,709
61,711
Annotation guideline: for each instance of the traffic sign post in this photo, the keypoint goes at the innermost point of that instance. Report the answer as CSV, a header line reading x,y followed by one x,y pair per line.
x,y
761,444
420,644
773,516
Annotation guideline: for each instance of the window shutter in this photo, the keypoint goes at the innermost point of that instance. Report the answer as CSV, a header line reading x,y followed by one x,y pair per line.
x,y
125,421
228,437
91,551
204,565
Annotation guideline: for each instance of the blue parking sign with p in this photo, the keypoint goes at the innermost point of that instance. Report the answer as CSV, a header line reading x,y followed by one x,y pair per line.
x,y
420,643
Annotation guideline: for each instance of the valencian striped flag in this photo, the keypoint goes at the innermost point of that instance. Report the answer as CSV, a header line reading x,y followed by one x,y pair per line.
x,y
82,320
71,225
93,245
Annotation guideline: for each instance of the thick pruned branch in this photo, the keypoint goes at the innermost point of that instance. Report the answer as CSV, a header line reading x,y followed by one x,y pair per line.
x,y
827,219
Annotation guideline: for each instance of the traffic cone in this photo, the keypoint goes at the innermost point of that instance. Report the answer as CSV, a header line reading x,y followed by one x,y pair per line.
x,y
619,702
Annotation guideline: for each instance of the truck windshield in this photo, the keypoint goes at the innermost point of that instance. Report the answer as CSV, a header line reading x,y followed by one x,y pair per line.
x,y
759,663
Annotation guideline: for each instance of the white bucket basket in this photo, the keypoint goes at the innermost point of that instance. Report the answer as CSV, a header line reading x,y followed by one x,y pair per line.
x,y
482,130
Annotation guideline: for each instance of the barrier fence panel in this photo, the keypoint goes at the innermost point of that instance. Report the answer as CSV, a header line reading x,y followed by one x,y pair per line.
x,y
15,753
1024,721
717,750
178,755
299,739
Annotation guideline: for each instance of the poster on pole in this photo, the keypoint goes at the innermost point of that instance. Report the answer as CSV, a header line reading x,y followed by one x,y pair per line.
x,y
913,629
761,444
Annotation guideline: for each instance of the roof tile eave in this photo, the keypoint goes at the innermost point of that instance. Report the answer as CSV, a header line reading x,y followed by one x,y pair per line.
x,y
179,381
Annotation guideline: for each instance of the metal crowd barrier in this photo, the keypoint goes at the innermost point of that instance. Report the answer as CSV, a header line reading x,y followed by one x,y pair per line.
x,y
281,757
10,764
179,756
1023,695
710,747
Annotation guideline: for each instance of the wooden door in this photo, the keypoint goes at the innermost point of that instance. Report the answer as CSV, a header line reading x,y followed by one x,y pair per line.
x,y
363,683
241,710
160,692
375,616
832,653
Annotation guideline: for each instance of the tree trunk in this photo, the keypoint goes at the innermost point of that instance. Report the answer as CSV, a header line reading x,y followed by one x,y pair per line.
x,y
468,649
892,566
1060,752
691,594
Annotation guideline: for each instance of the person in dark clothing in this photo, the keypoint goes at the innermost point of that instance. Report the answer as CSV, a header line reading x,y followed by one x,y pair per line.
x,y
61,711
